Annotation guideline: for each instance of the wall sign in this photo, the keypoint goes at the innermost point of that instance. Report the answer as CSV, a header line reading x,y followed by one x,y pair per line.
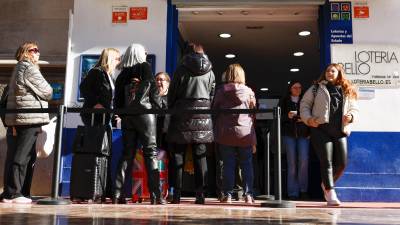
x,y
138,13
340,23
361,12
374,66
119,14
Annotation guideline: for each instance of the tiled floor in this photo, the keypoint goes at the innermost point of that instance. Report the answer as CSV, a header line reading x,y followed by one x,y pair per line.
x,y
189,213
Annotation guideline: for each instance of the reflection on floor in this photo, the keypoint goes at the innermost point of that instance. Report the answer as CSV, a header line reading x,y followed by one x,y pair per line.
x,y
189,213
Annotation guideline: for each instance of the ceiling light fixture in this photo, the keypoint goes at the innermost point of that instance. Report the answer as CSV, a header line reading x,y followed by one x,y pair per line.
x,y
244,12
225,35
264,89
220,13
195,12
230,56
298,53
293,70
304,33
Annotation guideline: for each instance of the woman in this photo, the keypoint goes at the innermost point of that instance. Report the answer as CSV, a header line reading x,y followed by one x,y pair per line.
x,y
136,89
295,135
162,82
98,91
329,107
192,87
235,133
27,89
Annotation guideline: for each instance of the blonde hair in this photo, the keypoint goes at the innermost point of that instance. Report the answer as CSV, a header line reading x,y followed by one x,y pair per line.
x,y
234,74
23,51
107,58
348,88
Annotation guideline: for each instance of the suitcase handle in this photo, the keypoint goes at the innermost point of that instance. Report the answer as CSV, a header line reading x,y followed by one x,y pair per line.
x,y
92,121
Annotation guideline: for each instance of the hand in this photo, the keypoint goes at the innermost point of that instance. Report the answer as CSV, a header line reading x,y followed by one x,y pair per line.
x,y
254,149
312,122
347,118
291,115
98,106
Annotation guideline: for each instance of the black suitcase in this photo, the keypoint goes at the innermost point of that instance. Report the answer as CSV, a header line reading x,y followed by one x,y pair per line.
x,y
88,177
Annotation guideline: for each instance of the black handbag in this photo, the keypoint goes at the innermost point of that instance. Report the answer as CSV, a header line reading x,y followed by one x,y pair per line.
x,y
92,139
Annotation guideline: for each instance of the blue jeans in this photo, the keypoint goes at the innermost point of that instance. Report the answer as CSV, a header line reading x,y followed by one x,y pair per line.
x,y
244,154
297,150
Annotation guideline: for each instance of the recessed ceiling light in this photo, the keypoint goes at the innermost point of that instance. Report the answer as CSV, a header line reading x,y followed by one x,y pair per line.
x,y
304,33
225,35
298,53
263,89
244,12
294,70
220,13
230,56
195,12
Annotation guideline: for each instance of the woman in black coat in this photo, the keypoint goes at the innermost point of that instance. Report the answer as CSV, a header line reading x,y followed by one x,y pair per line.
x,y
192,87
136,90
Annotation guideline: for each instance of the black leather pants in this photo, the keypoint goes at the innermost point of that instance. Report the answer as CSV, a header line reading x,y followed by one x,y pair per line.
x,y
332,154
138,129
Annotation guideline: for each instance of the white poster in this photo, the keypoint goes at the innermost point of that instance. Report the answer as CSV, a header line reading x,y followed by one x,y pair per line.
x,y
374,66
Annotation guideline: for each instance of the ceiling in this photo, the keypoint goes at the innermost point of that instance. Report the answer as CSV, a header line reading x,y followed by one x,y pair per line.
x,y
264,39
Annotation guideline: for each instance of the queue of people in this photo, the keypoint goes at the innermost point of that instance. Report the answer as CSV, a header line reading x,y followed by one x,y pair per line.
x,y
321,116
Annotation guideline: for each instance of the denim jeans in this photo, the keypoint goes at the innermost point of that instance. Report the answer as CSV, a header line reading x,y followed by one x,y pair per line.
x,y
244,154
297,150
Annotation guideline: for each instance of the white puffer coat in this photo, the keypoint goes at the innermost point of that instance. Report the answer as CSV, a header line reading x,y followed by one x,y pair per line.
x,y
28,89
317,105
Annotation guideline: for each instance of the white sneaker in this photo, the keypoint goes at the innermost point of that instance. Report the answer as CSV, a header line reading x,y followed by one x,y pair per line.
x,y
249,199
6,200
332,198
22,200
226,199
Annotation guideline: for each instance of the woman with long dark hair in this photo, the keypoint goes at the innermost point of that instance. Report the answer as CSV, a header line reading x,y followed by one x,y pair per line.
x,y
330,108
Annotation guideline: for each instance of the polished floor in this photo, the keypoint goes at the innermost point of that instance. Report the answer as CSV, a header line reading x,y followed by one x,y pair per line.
x,y
188,213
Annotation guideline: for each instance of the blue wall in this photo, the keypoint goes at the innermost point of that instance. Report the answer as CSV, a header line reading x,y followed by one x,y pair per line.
x,y
373,172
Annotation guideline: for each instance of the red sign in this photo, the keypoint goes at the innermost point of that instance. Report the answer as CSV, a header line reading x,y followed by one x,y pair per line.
x,y
138,13
361,12
119,17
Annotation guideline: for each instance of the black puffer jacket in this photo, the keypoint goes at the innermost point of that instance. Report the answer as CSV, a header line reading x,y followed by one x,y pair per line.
x,y
146,94
292,127
192,87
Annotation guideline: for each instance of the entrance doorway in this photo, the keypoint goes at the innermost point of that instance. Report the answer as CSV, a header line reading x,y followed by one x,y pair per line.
x,y
264,40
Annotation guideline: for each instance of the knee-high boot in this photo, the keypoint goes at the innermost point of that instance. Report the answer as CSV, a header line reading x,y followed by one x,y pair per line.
x,y
124,166
153,175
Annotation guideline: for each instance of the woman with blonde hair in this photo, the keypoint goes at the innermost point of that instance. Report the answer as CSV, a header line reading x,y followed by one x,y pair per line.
x,y
27,89
329,108
235,133
98,91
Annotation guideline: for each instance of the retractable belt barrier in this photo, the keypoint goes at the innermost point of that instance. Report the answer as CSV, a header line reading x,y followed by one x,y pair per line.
x,y
61,110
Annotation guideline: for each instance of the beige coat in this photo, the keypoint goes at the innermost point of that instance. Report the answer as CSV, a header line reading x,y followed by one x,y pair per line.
x,y
26,81
320,106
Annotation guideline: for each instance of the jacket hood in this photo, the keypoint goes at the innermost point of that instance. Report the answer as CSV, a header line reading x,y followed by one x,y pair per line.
x,y
237,92
197,63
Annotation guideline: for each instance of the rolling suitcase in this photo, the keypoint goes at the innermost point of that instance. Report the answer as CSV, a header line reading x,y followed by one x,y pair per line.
x,y
88,177
89,167
140,189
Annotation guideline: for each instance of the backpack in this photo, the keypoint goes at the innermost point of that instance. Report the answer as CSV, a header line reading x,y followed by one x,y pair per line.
x,y
3,104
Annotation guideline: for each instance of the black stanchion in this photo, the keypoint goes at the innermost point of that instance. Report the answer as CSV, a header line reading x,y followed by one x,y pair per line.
x,y
267,184
279,203
54,199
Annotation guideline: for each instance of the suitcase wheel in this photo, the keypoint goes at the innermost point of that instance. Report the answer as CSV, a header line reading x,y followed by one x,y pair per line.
x,y
140,200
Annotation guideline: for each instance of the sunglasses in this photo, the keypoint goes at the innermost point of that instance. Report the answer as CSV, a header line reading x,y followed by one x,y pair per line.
x,y
35,50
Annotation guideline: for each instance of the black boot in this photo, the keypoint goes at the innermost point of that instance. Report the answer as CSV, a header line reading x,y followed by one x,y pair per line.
x,y
154,181
124,165
199,198
176,199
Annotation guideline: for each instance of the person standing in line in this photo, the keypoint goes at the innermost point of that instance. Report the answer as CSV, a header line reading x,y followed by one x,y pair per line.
x,y
235,133
27,89
98,91
295,135
136,90
192,87
330,108
162,82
